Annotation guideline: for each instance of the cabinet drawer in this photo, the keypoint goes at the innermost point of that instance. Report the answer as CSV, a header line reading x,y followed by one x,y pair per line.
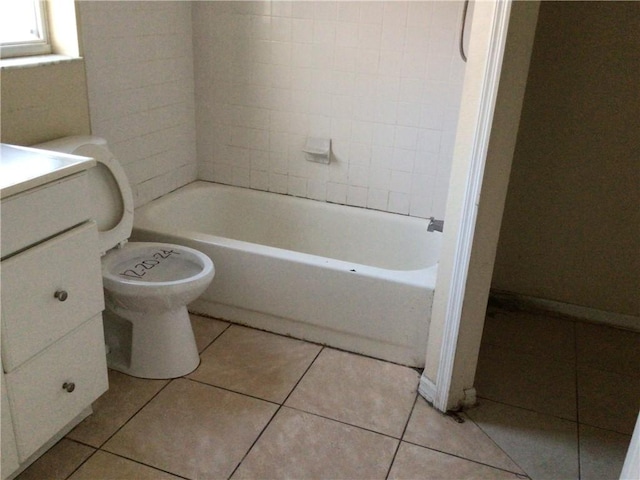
x,y
40,406
48,210
8,454
32,317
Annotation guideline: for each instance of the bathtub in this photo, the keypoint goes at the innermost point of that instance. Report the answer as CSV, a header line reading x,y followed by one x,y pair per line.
x,y
351,278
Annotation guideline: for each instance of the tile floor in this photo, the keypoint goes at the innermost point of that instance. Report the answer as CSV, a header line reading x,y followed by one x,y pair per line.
x,y
266,406
559,396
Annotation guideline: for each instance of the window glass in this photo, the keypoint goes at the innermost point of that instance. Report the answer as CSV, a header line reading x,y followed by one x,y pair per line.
x,y
23,28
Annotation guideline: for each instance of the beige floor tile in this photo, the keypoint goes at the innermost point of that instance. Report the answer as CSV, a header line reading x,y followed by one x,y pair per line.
x,y
545,447
206,330
126,395
254,362
602,453
58,462
305,446
608,400
429,428
609,349
414,462
526,381
105,466
536,334
358,390
193,430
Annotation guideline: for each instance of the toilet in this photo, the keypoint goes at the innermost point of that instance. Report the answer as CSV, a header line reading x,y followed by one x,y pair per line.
x,y
147,286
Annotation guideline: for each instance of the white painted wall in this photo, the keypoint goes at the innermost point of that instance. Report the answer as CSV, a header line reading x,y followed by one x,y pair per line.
x,y
571,225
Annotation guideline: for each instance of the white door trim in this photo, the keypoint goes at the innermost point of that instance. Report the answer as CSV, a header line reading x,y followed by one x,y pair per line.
x,y
631,467
488,64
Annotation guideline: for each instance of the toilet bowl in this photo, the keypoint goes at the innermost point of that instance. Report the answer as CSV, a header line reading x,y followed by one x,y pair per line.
x,y
147,286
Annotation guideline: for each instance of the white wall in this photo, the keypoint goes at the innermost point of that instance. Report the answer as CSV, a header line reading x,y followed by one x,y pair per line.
x,y
139,65
44,102
381,79
571,224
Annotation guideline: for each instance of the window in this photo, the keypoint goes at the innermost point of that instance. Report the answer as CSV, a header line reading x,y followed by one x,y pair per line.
x,y
23,28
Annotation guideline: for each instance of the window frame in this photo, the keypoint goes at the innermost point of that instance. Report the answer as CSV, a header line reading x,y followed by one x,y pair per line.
x,y
42,46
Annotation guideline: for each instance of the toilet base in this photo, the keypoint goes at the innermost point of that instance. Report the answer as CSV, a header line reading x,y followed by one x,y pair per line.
x,y
150,344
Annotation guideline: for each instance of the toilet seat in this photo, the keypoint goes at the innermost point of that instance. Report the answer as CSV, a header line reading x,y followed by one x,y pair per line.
x,y
147,264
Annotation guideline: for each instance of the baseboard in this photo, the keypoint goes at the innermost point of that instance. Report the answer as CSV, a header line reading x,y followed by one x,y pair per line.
x,y
524,302
427,389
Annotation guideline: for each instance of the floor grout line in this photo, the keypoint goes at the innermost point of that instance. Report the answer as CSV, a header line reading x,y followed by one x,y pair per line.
x,y
395,454
546,414
575,362
275,414
100,448
498,446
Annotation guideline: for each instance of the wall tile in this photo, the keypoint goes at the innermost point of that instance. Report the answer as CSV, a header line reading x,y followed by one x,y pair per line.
x,y
377,199
140,75
349,12
336,192
399,203
381,79
371,12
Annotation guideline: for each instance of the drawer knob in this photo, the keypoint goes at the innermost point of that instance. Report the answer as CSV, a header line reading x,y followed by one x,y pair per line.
x,y
61,295
69,386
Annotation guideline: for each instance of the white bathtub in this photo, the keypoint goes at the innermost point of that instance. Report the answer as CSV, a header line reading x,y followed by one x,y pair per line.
x,y
355,279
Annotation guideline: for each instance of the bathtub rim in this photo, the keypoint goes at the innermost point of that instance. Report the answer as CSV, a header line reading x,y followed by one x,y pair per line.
x,y
422,277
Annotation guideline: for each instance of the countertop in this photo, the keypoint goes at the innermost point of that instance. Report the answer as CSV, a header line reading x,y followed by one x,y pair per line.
x,y
23,168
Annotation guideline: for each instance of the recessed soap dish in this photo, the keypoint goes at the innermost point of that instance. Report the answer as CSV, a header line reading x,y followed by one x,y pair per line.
x,y
318,150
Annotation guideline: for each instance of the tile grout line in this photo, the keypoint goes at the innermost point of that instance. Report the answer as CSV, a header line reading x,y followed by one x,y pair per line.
x,y
201,382
131,460
520,475
81,463
214,339
284,335
280,405
501,402
99,448
341,422
404,430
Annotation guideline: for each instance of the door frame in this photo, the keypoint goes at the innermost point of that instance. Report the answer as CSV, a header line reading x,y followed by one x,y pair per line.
x,y
493,91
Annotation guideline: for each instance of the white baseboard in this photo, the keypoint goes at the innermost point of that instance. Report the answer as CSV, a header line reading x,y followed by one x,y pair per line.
x,y
628,322
470,398
427,389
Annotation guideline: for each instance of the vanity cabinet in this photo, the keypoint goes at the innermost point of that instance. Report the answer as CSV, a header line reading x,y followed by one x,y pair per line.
x,y
9,452
52,340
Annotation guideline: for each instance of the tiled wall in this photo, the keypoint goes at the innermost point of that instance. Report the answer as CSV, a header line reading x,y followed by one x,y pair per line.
x,y
381,79
139,63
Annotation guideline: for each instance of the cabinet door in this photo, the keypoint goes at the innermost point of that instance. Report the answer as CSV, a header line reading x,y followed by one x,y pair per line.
x,y
9,453
51,389
33,317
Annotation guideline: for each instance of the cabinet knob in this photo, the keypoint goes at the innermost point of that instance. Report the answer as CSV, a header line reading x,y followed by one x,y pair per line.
x,y
61,295
69,386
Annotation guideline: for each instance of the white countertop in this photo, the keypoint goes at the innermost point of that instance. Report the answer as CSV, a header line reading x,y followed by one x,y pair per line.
x,y
22,168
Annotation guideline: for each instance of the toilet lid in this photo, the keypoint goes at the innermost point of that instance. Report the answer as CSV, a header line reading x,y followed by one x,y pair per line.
x,y
110,191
